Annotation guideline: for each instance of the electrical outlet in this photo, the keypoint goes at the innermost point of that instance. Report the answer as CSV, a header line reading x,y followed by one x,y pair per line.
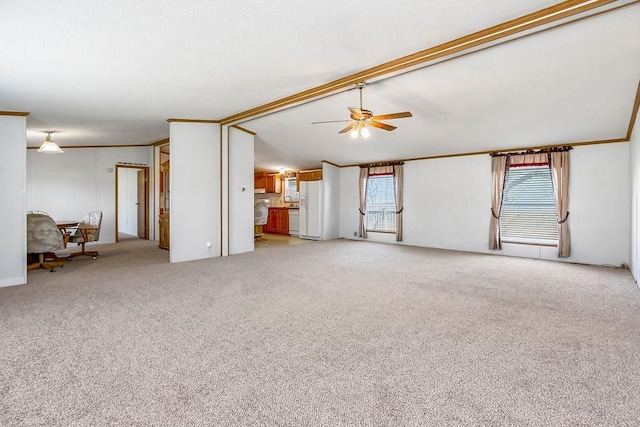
x,y
355,234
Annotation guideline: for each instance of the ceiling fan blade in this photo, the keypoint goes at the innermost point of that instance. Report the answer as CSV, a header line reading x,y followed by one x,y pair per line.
x,y
393,116
357,113
348,128
330,121
381,125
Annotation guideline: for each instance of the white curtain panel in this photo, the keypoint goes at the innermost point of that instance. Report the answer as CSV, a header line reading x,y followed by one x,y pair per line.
x,y
498,172
364,175
398,175
559,164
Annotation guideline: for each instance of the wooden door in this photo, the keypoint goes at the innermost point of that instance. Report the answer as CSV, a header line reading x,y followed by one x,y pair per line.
x,y
272,221
278,221
283,221
271,184
142,205
260,181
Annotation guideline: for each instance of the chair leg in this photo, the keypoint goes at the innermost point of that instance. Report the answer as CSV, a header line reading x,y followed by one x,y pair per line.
x,y
54,257
35,264
51,266
258,238
93,254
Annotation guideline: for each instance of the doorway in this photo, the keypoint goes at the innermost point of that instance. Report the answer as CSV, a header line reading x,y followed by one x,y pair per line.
x,y
132,202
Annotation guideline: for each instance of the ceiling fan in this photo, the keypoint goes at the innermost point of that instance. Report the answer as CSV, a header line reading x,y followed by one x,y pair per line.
x,y
361,119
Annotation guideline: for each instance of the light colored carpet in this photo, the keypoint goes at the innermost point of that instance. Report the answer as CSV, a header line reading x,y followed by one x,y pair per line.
x,y
325,333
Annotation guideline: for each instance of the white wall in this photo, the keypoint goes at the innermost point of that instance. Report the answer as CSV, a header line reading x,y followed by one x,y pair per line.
x,y
195,177
80,180
447,205
349,202
599,204
331,206
224,190
634,184
241,197
13,250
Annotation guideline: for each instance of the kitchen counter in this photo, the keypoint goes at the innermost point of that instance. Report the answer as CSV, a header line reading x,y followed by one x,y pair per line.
x,y
283,220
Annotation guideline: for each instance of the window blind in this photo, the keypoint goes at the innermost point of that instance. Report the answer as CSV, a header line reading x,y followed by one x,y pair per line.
x,y
528,212
381,204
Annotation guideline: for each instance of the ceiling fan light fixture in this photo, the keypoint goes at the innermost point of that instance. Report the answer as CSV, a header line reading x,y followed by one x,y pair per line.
x,y
361,119
48,146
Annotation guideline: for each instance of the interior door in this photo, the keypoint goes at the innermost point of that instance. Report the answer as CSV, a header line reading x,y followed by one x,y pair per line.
x,y
141,206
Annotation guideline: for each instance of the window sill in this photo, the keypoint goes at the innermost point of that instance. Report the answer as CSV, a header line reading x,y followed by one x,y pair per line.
x,y
530,243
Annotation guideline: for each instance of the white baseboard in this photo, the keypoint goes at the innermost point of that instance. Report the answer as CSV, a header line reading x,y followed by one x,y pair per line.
x,y
12,281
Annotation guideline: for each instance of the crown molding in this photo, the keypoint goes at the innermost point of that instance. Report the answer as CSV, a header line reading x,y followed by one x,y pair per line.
x,y
331,163
478,153
634,113
68,147
244,130
160,142
191,121
14,113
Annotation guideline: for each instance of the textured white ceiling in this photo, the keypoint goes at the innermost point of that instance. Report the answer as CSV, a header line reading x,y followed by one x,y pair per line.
x,y
108,73
569,84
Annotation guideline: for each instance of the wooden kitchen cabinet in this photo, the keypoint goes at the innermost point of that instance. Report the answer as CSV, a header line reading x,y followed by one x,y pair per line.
x,y
259,181
269,181
164,231
163,218
277,221
314,175
273,184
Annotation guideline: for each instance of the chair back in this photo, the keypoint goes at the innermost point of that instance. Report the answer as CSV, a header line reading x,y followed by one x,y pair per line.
x,y
43,235
38,212
93,218
260,212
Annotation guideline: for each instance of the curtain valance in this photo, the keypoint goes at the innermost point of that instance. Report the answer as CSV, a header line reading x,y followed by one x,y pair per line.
x,y
558,149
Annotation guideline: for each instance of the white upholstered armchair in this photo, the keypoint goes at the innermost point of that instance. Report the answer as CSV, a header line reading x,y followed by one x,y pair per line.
x,y
88,231
43,239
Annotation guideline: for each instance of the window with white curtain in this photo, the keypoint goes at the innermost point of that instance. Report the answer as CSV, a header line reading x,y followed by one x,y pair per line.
x,y
528,213
381,204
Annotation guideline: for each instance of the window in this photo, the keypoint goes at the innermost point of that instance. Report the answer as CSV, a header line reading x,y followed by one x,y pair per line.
x,y
290,192
528,212
381,204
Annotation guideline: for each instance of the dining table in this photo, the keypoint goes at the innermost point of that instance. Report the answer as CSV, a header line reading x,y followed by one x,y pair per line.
x,y
67,225
63,225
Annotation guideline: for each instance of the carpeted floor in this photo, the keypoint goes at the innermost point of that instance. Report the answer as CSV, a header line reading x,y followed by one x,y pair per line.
x,y
322,334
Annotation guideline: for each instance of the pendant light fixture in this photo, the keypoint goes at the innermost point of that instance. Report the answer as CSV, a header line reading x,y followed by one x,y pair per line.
x,y
360,130
48,146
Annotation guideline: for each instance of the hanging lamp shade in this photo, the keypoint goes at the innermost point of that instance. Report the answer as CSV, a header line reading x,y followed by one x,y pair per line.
x,y
48,146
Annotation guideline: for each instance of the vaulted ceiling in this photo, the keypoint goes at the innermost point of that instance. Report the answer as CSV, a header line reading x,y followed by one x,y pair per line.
x,y
112,73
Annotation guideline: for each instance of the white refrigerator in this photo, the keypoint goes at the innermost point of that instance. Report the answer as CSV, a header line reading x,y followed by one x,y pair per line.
x,y
311,205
